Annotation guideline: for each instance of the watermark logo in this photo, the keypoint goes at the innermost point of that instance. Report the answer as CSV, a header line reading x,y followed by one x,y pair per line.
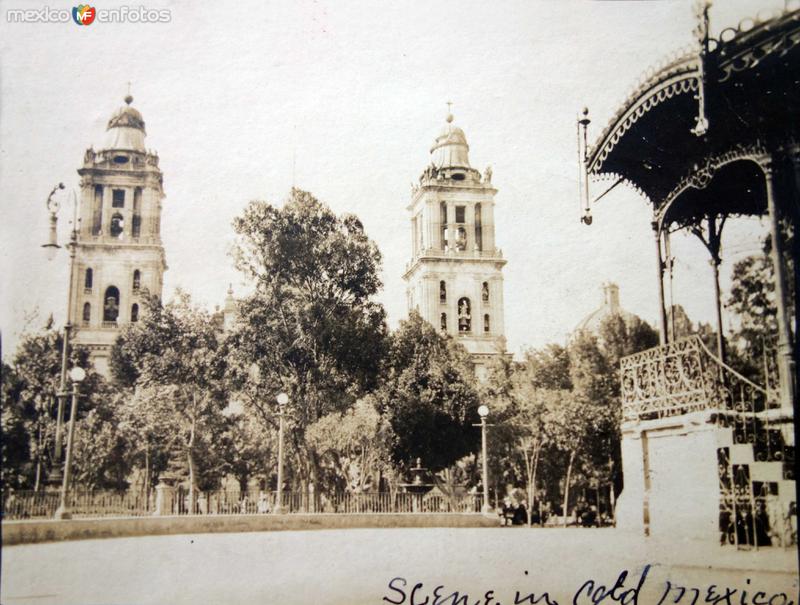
x,y
83,14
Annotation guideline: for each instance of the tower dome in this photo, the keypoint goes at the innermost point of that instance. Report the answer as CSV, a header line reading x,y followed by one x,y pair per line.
x,y
126,129
450,149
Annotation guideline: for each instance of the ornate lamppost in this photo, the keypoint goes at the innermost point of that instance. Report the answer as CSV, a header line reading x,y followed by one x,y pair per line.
x,y
282,400
483,412
254,373
76,375
51,247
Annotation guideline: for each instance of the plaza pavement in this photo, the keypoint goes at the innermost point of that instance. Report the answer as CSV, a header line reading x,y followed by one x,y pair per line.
x,y
356,566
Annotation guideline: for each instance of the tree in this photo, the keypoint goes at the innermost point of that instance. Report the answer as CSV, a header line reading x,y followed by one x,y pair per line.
x,y
515,395
619,338
591,374
174,360
15,444
249,449
550,427
752,302
356,442
568,423
560,410
548,368
102,445
29,408
532,429
504,392
429,396
311,324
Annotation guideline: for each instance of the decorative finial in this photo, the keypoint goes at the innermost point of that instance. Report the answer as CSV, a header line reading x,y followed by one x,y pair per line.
x,y
230,289
449,113
128,97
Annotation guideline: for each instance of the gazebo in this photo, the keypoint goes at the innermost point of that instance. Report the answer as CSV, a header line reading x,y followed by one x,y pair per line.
x,y
711,133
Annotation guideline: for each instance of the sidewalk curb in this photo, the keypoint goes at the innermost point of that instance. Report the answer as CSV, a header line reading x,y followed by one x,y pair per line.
x,y
50,530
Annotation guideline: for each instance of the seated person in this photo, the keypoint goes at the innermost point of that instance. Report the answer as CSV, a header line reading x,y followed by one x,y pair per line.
x,y
507,512
520,515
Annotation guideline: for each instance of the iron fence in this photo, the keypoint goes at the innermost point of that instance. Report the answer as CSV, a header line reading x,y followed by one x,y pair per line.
x,y
81,503
178,501
260,502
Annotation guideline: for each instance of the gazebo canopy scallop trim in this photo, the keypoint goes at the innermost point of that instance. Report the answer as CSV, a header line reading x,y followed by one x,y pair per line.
x,y
744,84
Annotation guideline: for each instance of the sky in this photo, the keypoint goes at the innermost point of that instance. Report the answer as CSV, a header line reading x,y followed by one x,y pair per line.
x,y
344,99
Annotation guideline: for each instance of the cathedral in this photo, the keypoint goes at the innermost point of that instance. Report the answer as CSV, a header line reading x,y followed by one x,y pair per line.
x,y
455,277
119,257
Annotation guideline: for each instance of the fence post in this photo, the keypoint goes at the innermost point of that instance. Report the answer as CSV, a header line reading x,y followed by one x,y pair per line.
x,y
165,494
202,503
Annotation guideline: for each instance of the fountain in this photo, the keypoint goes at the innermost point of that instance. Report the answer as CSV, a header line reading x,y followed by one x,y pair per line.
x,y
417,486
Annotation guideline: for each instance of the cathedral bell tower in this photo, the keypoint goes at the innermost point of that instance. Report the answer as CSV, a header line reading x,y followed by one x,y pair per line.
x,y
119,256
455,277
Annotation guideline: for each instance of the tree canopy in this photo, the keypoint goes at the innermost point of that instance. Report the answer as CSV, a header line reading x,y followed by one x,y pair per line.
x,y
752,302
29,412
173,359
311,324
429,396
558,414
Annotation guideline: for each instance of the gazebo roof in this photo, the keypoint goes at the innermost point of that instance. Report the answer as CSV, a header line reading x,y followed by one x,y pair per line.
x,y
751,91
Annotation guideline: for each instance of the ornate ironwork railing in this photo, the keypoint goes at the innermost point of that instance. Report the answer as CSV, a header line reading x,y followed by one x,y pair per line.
x,y
102,503
683,377
82,503
223,502
756,507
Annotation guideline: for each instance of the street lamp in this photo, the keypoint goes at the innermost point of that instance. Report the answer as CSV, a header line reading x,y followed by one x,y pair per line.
x,y
51,247
254,373
76,375
282,400
52,206
483,412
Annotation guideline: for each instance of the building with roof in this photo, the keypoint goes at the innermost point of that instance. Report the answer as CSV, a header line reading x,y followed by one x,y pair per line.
x,y
119,257
609,308
455,277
